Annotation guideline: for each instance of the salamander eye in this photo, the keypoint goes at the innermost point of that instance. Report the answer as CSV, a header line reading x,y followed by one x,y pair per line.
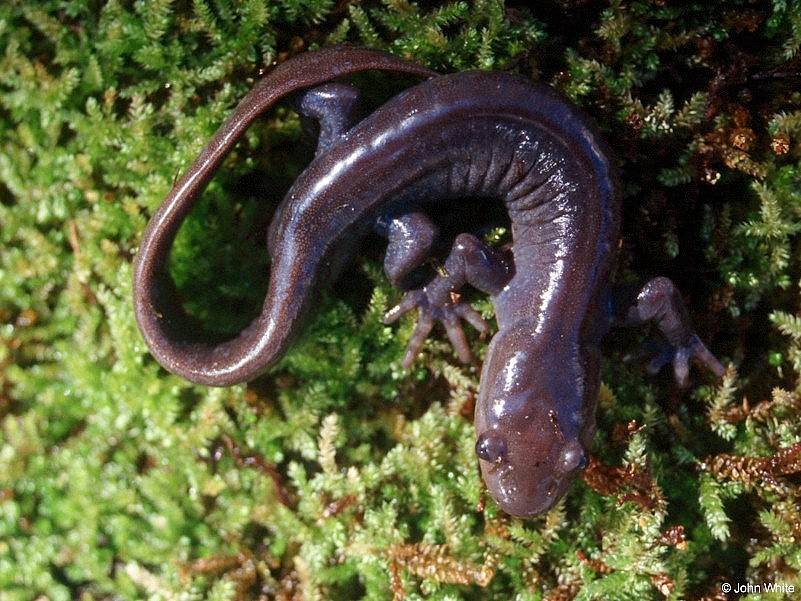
x,y
491,447
572,458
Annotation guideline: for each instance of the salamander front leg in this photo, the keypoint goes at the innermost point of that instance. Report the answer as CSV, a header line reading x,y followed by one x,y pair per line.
x,y
470,261
659,301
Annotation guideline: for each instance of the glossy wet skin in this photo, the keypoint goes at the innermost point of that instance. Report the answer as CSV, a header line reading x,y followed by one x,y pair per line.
x,y
473,135
533,429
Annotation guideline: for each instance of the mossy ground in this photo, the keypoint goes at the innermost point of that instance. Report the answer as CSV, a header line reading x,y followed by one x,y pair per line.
x,y
339,475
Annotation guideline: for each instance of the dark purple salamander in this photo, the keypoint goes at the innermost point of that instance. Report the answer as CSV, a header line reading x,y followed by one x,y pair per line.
x,y
472,135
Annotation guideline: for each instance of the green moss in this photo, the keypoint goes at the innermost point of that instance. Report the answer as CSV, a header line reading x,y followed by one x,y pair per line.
x,y
340,475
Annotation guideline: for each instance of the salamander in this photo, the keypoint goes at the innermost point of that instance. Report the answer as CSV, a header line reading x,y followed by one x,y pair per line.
x,y
472,137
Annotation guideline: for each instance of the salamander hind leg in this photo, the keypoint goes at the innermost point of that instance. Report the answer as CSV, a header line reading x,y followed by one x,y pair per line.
x,y
335,107
659,301
470,261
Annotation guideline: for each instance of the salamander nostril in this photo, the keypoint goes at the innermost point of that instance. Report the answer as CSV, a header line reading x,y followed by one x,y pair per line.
x,y
491,447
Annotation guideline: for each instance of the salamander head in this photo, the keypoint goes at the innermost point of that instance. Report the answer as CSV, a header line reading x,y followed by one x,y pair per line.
x,y
533,423
529,471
